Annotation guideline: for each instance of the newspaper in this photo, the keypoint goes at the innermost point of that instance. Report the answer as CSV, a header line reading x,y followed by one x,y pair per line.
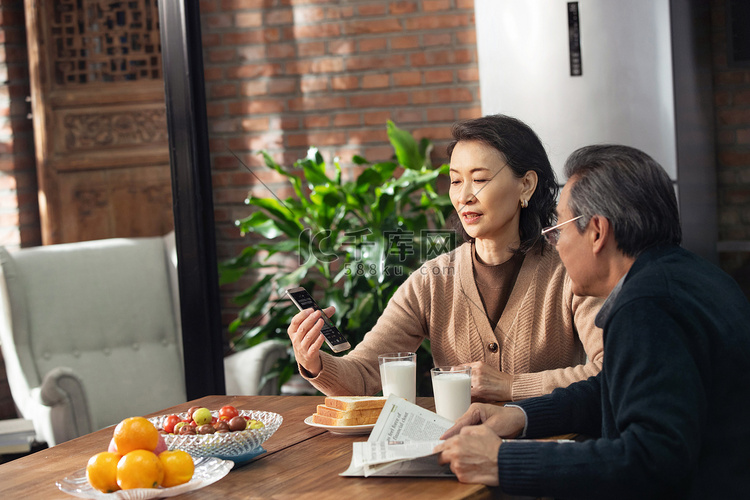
x,y
401,443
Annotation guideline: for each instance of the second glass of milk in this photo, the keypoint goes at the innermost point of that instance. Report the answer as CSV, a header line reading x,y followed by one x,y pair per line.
x,y
452,388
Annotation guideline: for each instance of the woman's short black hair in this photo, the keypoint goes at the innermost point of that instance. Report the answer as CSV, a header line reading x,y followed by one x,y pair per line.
x,y
523,151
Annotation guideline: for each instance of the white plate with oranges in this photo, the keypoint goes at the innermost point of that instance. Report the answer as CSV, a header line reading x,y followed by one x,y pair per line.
x,y
138,465
208,470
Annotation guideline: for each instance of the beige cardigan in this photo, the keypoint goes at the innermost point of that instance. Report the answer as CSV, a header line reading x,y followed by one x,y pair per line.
x,y
544,334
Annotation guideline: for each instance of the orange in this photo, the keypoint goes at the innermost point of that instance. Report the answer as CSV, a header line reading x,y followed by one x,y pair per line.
x,y
101,471
178,467
135,433
139,469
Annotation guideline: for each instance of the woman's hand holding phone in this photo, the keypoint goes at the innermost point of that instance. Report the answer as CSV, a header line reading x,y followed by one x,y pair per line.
x,y
305,334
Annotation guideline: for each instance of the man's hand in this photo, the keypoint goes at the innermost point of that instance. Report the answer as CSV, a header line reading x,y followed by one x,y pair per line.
x,y
489,384
472,455
505,422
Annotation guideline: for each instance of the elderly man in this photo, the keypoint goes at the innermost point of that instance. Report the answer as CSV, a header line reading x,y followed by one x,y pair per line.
x,y
669,415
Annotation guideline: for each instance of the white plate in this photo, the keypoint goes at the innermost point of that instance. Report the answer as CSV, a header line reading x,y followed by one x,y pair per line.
x,y
208,470
341,429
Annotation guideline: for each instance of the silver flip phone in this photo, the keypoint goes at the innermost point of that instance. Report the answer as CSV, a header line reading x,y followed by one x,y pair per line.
x,y
334,338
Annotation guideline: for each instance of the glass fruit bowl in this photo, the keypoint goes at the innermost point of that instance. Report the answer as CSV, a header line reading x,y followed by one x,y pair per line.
x,y
226,445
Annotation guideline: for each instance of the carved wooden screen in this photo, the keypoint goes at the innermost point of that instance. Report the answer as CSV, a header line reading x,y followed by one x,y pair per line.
x,y
99,119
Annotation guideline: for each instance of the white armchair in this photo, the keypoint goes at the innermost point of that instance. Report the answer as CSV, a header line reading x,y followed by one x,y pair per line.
x,y
90,333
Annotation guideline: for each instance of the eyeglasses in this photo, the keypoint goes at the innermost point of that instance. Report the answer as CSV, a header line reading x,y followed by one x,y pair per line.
x,y
552,233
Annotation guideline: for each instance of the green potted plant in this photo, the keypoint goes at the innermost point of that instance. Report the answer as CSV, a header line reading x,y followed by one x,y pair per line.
x,y
349,243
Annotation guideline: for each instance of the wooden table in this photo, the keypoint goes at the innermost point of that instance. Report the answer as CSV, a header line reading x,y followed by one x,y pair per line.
x,y
301,462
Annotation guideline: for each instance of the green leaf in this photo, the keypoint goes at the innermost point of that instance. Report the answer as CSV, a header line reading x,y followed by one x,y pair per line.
x,y
271,163
256,297
293,179
358,160
268,229
227,275
425,150
234,325
243,259
374,176
314,168
286,219
368,178
407,149
251,336
255,219
233,269
385,203
282,246
360,311
337,165
427,346
328,196
294,277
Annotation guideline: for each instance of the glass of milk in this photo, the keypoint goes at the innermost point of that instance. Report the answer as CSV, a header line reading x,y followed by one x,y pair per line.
x,y
398,374
452,388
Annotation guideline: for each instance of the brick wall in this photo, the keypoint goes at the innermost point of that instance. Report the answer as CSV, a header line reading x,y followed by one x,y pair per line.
x,y
732,109
287,74
19,212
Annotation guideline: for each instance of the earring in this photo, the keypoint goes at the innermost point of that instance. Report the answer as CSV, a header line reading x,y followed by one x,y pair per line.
x,y
524,203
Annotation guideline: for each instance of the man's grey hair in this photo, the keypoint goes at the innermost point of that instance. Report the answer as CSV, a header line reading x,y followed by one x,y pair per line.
x,y
630,189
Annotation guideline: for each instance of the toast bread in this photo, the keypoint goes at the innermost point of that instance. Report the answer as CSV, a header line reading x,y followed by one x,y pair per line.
x,y
325,411
349,410
319,419
352,403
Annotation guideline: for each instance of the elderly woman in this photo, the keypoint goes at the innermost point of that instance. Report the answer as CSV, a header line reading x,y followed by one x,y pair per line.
x,y
501,302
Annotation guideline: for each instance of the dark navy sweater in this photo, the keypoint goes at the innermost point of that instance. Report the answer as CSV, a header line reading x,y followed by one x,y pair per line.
x,y
669,415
